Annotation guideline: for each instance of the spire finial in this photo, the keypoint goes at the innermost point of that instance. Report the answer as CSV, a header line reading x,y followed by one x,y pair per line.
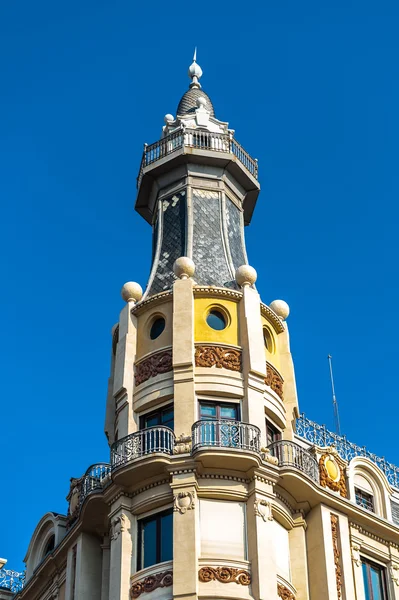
x,y
195,71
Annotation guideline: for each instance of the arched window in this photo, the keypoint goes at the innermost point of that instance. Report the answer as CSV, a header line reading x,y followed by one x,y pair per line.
x,y
49,546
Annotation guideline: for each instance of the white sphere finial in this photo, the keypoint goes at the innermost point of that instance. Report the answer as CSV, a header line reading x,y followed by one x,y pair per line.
x,y
246,275
184,267
132,292
168,118
195,71
281,309
201,102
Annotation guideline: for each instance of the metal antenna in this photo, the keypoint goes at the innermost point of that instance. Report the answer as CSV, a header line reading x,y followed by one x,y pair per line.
x,y
335,403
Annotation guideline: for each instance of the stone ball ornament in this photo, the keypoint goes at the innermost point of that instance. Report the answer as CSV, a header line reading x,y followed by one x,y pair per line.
x,y
281,309
246,275
168,118
184,267
201,102
132,292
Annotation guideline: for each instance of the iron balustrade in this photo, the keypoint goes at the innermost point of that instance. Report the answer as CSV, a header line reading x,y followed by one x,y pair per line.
x,y
200,139
96,477
11,580
320,436
290,454
220,433
141,443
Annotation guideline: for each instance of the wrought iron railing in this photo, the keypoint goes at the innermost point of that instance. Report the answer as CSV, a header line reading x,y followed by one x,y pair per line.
x,y
195,138
96,477
11,580
225,434
290,454
147,441
320,436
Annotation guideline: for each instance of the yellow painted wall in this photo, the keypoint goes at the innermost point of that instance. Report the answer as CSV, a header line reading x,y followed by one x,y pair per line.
x,y
145,344
272,357
204,333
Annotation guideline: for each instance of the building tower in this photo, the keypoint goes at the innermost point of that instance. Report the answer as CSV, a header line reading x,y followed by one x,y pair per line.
x,y
216,487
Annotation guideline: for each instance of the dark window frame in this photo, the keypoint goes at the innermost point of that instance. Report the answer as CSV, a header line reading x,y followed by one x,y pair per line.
x,y
158,411
219,405
382,578
157,517
275,433
364,499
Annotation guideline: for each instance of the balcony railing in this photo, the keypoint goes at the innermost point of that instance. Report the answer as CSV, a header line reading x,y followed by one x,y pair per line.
x,y
320,436
290,454
11,580
147,441
225,434
194,138
96,477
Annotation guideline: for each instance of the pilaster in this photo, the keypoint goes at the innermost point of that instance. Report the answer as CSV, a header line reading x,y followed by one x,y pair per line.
x,y
288,373
299,563
185,536
122,550
183,356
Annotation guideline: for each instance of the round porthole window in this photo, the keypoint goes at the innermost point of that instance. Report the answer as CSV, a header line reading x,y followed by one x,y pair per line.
x,y
216,320
157,328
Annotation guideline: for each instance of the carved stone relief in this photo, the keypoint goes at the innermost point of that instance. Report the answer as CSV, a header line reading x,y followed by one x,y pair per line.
x,y
332,473
74,500
284,593
337,555
184,501
160,362
263,509
219,357
395,573
182,444
224,575
274,380
355,552
117,526
151,583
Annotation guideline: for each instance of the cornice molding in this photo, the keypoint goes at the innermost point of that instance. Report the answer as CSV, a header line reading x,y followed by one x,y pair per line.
x,y
271,316
153,301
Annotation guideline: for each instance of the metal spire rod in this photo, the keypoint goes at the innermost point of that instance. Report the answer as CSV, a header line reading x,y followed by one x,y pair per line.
x,y
335,403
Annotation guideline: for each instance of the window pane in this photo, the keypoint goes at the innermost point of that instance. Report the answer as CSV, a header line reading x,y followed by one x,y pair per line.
x,y
228,412
149,543
152,420
208,411
167,417
166,537
376,583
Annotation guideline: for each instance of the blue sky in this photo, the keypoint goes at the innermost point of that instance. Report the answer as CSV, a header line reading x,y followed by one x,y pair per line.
x,y
311,89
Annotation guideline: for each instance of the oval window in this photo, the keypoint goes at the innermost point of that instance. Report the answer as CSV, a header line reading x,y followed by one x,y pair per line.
x,y
157,328
216,320
268,340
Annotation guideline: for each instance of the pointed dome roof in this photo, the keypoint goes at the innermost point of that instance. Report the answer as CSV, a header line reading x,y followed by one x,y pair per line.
x,y
188,102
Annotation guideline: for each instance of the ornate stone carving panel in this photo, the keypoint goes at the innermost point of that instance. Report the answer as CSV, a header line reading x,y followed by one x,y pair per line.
x,y
151,583
183,501
160,362
224,575
263,509
284,593
337,555
219,357
332,472
274,380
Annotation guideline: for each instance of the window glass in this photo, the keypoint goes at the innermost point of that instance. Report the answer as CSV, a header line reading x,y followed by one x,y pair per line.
x,y
272,433
208,411
149,543
168,417
167,537
155,539
364,499
157,328
216,320
228,412
374,581
164,416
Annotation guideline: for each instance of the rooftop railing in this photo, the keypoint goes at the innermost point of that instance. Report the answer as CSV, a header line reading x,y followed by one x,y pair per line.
x,y
194,138
96,477
11,580
146,441
290,454
320,436
225,434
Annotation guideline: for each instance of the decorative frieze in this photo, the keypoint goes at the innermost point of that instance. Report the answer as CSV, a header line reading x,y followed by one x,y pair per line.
x,y
337,555
151,583
224,575
183,501
284,593
263,509
157,363
332,472
274,380
219,357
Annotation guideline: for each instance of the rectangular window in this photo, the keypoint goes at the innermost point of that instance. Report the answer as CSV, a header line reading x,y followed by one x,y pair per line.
x,y
395,512
163,416
375,587
155,539
272,433
222,410
220,427
364,499
154,437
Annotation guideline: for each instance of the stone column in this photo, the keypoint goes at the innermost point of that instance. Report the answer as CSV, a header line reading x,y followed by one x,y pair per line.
x,y
122,551
185,536
105,568
183,356
299,563
261,548
254,362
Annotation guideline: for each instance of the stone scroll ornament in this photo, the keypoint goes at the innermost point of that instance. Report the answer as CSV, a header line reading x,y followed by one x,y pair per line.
x,y
219,357
274,380
74,500
332,474
160,362
224,575
284,593
151,583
